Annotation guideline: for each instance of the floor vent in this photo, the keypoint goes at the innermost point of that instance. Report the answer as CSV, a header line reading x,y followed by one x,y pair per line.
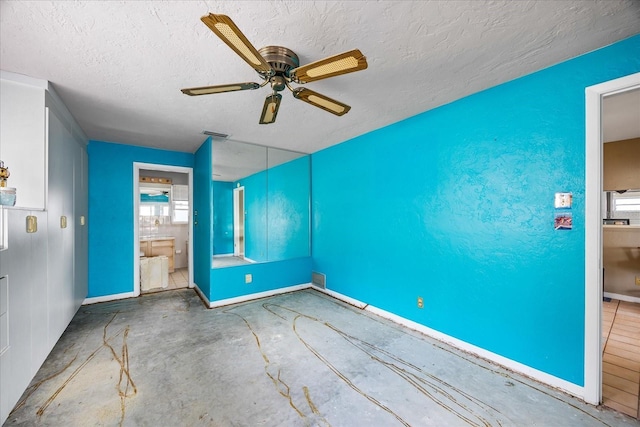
x,y
319,280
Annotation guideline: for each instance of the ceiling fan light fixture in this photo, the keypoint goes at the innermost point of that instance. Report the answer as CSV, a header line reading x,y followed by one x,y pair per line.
x,y
229,33
270,109
321,101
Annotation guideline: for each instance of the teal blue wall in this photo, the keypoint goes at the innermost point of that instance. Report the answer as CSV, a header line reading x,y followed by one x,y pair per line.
x,y
456,205
222,217
229,282
203,217
288,210
111,220
255,219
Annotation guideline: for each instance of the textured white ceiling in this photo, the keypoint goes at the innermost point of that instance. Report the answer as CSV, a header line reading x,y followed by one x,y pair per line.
x,y
119,66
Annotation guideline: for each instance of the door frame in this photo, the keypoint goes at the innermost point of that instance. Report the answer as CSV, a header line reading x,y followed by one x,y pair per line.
x,y
593,231
136,214
238,193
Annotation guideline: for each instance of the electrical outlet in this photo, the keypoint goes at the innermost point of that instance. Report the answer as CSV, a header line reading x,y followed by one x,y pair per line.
x,y
638,280
248,278
420,302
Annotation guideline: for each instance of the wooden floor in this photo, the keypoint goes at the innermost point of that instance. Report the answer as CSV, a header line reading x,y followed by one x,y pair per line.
x,y
621,357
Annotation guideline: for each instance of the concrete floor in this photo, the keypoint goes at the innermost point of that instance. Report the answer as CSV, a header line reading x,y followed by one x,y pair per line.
x,y
299,359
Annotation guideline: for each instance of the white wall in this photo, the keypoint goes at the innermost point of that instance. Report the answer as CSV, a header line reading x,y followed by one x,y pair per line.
x,y
43,271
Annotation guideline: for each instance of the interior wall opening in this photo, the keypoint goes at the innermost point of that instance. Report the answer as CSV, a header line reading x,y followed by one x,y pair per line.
x,y
162,225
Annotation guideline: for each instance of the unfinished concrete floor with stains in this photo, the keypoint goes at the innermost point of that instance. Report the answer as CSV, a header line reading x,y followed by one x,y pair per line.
x,y
298,359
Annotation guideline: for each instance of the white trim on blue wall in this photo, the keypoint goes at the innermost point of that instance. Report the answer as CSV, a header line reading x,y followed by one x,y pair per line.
x,y
464,346
258,295
593,231
106,298
621,297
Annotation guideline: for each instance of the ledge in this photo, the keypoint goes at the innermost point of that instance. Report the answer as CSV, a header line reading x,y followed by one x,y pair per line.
x,y
621,227
148,238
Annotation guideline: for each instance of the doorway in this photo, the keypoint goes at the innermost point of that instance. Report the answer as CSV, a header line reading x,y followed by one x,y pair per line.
x,y
593,231
162,230
238,222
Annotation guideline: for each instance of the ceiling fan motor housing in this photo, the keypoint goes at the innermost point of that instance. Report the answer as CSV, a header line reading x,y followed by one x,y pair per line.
x,y
281,59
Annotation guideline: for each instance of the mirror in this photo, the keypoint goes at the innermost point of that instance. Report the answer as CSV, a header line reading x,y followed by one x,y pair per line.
x,y
155,193
261,204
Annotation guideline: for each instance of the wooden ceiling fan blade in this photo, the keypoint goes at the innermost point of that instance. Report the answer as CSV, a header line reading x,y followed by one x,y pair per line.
x,y
344,63
207,90
270,109
229,33
318,100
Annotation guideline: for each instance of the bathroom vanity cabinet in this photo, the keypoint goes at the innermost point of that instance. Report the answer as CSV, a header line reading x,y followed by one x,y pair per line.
x,y
159,246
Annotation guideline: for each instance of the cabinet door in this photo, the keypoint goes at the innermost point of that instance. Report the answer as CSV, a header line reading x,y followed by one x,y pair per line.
x,y
163,247
39,293
61,239
22,141
80,210
145,248
16,360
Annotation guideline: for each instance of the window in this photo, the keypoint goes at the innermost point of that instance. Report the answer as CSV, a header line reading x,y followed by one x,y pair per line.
x,y
180,212
628,201
180,204
154,209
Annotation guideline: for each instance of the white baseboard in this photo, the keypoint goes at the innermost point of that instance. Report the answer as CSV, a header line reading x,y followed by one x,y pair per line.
x,y
341,297
105,298
621,297
223,255
258,295
528,371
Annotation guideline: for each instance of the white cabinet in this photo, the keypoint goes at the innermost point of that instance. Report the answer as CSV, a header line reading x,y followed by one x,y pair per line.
x,y
22,138
61,226
45,272
25,278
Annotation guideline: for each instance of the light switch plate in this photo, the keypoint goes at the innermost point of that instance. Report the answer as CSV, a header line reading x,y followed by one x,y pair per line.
x,y
563,200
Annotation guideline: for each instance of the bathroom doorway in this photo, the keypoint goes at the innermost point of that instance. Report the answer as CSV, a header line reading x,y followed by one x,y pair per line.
x,y
593,351
163,241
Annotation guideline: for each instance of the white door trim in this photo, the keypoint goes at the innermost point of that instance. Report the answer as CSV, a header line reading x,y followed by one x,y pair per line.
x,y
238,220
136,213
593,232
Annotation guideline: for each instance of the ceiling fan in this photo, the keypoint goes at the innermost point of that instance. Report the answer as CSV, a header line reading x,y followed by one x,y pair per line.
x,y
279,66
